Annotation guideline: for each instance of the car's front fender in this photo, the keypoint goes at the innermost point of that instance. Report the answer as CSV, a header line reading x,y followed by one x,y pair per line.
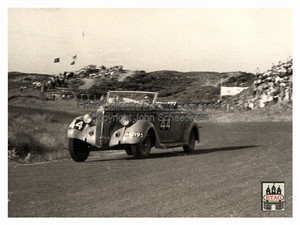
x,y
133,134
86,134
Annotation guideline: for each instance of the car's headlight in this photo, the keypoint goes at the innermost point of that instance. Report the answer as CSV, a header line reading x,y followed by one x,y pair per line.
x,y
87,118
124,120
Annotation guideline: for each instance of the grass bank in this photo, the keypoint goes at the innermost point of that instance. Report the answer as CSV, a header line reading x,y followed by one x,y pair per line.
x,y
36,138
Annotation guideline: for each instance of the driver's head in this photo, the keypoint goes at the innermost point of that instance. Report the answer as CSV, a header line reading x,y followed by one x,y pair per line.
x,y
146,98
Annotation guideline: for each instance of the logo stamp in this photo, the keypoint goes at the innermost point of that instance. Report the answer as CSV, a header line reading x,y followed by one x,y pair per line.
x,y
272,194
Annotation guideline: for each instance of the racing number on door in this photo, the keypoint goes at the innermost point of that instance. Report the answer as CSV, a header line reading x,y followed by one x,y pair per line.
x,y
165,124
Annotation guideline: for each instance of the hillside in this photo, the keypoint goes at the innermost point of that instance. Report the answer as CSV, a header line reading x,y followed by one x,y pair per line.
x,y
185,87
180,86
192,87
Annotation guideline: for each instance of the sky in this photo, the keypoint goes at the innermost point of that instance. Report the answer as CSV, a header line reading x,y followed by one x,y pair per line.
x,y
150,39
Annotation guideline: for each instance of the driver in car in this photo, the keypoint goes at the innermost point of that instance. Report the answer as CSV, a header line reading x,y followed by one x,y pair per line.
x,y
146,100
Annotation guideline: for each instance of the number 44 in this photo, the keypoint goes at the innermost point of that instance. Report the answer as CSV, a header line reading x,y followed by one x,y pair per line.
x,y
166,124
76,124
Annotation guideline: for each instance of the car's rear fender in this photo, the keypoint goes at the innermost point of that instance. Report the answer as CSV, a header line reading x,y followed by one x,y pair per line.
x,y
189,127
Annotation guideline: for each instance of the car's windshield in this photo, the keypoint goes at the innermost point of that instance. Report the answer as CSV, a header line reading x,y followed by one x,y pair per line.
x,y
131,97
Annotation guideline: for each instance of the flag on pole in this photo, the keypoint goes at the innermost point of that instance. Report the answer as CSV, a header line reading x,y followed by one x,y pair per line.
x,y
56,60
75,57
73,63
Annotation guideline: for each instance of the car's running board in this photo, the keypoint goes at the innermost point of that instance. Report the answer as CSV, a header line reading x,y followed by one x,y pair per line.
x,y
173,144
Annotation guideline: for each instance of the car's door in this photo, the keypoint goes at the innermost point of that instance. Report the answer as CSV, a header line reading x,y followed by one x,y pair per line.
x,y
169,125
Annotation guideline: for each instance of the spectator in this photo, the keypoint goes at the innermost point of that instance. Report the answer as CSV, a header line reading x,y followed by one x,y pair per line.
x,y
287,94
274,85
251,105
261,103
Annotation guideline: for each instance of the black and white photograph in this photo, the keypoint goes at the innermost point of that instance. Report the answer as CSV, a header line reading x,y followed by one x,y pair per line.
x,y
130,111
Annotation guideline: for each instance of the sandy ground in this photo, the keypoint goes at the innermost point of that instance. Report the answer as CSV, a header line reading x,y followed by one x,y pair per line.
x,y
123,76
88,83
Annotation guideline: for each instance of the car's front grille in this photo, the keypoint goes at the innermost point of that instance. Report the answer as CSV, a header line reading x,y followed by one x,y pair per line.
x,y
102,130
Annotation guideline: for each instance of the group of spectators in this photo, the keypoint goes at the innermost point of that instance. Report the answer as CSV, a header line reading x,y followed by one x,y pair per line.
x,y
51,83
92,71
107,72
273,86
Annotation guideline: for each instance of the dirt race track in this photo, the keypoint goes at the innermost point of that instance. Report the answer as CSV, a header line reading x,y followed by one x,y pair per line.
x,y
222,178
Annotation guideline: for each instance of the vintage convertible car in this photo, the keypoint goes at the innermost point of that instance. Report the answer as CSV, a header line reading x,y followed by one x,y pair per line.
x,y
133,121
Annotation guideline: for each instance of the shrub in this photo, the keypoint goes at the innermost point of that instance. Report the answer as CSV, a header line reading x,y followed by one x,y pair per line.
x,y
39,136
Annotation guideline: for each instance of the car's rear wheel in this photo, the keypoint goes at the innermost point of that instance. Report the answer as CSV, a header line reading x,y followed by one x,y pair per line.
x,y
142,149
79,150
191,143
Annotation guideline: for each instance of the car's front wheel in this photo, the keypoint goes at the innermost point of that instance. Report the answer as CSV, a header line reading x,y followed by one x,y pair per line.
x,y
142,149
128,151
79,150
190,146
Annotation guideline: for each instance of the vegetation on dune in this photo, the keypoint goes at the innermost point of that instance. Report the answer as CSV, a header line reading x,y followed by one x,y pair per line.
x,y
75,83
192,87
27,77
242,79
30,140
